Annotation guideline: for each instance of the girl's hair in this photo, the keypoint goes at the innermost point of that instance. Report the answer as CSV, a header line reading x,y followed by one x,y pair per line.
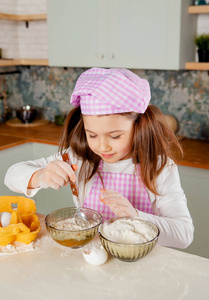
x,y
154,142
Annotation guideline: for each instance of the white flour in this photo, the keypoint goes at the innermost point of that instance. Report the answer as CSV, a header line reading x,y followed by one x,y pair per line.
x,y
128,231
16,248
69,224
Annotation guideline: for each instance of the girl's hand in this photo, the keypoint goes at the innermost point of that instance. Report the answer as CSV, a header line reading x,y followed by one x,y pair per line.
x,y
117,203
55,175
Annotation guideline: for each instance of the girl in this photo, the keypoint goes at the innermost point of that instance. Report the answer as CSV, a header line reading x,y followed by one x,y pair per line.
x,y
124,153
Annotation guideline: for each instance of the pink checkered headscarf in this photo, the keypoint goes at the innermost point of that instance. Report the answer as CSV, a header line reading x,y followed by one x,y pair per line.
x,y
110,91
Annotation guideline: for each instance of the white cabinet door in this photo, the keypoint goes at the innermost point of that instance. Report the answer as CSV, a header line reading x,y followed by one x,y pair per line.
x,y
77,32
195,183
148,34
121,33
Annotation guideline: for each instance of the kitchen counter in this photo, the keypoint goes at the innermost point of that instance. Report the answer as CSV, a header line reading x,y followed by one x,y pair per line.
x,y
47,134
51,271
196,152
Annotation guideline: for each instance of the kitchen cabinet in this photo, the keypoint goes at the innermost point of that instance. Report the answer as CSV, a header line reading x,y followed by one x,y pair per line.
x,y
46,200
121,33
195,183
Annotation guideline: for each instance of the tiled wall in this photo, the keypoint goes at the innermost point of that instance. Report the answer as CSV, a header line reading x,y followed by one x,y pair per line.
x,y
8,6
18,41
184,94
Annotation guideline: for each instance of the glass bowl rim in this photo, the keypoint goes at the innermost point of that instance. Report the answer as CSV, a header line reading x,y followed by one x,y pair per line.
x,y
129,245
73,231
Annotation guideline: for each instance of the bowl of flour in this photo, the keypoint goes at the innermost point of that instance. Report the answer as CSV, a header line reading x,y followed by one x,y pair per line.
x,y
63,229
128,239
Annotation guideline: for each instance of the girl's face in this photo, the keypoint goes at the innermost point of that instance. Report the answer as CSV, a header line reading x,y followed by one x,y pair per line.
x,y
110,137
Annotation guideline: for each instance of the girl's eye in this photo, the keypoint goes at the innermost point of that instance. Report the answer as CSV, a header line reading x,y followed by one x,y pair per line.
x,y
116,137
92,136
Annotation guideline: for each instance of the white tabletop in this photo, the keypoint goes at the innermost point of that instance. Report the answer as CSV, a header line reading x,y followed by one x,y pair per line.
x,y
51,271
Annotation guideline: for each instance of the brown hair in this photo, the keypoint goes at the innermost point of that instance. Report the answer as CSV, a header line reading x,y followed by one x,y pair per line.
x,y
153,139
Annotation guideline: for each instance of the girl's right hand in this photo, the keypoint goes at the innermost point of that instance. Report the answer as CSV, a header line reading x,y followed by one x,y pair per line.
x,y
55,175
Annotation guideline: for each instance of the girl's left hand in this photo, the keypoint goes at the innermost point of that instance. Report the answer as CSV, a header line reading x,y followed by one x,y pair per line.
x,y
117,203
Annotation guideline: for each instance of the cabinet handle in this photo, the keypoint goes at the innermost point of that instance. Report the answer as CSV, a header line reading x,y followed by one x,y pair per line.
x,y
101,55
111,55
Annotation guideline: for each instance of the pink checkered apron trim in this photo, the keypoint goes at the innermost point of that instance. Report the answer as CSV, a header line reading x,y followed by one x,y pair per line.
x,y
108,91
126,184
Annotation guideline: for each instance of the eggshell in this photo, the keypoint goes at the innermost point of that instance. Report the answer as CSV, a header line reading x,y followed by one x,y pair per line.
x,y
5,218
96,256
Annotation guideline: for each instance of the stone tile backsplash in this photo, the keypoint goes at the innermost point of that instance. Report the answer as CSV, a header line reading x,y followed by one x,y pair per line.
x,y
184,94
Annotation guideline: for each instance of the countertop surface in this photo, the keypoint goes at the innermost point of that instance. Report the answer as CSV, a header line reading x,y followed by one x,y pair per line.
x,y
196,152
51,271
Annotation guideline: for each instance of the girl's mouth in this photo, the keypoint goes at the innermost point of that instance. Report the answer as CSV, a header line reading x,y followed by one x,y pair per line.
x,y
107,155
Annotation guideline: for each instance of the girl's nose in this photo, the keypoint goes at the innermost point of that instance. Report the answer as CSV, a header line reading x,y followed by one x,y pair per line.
x,y
104,146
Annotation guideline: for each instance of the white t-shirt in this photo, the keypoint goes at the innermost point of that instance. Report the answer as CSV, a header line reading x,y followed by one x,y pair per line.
x,y
171,213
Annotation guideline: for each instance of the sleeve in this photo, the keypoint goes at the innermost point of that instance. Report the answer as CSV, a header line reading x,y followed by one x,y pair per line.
x,y
173,219
18,175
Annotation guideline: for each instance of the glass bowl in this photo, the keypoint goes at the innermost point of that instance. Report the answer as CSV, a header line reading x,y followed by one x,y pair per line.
x,y
78,236
128,251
